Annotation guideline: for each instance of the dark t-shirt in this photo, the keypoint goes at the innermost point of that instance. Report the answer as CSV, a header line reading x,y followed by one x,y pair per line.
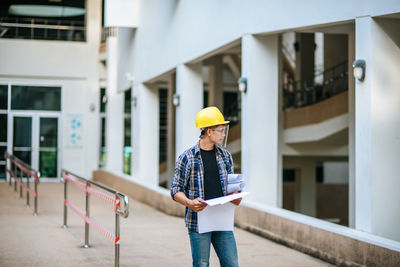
x,y
212,184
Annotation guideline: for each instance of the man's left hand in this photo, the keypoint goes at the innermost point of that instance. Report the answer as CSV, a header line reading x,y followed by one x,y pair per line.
x,y
236,201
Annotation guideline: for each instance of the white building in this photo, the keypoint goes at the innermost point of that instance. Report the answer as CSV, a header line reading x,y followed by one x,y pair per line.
x,y
307,136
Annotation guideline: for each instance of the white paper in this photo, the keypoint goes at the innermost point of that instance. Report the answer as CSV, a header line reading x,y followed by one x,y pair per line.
x,y
224,199
216,218
219,214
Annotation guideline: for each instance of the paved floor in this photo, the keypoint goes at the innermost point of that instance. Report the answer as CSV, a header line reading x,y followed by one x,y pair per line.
x,y
148,237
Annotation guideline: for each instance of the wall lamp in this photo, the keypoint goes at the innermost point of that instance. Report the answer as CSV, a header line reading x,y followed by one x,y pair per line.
x,y
176,100
134,100
242,84
359,69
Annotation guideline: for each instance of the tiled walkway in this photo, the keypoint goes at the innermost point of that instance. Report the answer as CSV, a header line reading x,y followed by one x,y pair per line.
x,y
148,237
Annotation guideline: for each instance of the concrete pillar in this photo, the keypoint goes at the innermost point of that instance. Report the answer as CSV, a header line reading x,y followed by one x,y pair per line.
x,y
145,153
335,49
280,126
215,93
308,188
260,107
114,110
377,119
363,125
189,87
352,155
171,128
305,58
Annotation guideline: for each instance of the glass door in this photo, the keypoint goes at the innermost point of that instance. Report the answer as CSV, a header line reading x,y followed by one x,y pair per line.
x,y
35,140
48,147
22,138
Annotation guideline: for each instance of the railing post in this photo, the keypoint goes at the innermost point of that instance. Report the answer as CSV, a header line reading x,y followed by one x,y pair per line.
x,y
27,191
334,81
314,93
295,94
9,175
35,213
65,202
87,215
344,77
304,93
116,240
20,183
15,177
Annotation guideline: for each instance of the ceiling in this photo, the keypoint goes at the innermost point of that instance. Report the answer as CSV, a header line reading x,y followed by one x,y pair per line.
x,y
67,9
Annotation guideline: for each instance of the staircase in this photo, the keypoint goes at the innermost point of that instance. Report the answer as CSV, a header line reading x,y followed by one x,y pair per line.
x,y
299,94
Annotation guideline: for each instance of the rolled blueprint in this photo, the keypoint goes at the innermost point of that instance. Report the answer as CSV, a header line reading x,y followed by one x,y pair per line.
x,y
234,178
235,187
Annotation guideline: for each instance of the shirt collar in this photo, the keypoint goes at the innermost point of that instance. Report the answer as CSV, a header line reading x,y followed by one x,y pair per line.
x,y
218,149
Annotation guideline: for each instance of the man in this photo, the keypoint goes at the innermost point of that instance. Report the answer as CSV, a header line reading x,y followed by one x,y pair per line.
x,y
201,172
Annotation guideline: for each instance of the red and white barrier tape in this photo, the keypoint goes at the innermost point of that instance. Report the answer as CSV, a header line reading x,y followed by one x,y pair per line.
x,y
23,168
104,196
91,221
75,181
19,181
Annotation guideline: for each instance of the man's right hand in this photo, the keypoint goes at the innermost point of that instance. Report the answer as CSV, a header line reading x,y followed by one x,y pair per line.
x,y
196,204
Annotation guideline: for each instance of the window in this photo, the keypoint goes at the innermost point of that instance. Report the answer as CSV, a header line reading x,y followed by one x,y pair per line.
x,y
163,134
3,128
35,98
127,133
103,102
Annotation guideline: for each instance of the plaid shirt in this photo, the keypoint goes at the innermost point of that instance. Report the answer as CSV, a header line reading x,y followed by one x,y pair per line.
x,y
189,177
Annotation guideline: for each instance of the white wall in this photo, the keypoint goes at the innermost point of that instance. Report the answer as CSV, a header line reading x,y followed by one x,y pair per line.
x,y
73,66
172,32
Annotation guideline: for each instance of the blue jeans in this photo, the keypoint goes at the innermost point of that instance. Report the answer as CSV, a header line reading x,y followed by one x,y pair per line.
x,y
224,245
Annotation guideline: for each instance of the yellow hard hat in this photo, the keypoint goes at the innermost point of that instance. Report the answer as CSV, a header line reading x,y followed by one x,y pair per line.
x,y
210,116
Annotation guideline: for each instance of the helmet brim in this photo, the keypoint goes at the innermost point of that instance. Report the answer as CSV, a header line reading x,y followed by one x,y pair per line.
x,y
205,126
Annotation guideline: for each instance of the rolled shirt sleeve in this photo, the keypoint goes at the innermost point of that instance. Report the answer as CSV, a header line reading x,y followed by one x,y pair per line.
x,y
181,176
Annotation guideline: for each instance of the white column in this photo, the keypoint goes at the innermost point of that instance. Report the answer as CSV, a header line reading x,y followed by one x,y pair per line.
x,y
171,128
352,154
145,122
114,111
308,188
378,128
260,108
363,130
189,86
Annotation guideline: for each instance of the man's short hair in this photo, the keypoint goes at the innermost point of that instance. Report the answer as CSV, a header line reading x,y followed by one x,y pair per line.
x,y
203,131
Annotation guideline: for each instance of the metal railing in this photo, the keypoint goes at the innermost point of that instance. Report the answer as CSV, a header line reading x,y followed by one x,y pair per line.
x,y
19,170
114,199
42,29
299,94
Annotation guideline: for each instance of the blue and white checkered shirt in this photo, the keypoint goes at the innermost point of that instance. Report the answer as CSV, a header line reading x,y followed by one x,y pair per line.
x,y
189,177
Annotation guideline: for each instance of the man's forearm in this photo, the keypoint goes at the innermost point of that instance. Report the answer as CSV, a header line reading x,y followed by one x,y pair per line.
x,y
195,204
181,198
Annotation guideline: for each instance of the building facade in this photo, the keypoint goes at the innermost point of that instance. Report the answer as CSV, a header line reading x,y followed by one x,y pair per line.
x,y
307,136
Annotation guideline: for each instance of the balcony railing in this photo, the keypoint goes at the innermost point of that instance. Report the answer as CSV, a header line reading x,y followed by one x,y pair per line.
x,y
299,94
42,29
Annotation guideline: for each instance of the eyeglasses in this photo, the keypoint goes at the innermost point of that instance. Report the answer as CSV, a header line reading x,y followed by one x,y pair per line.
x,y
221,130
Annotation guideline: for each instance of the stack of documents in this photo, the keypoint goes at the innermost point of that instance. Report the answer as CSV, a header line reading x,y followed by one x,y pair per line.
x,y
235,183
219,214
